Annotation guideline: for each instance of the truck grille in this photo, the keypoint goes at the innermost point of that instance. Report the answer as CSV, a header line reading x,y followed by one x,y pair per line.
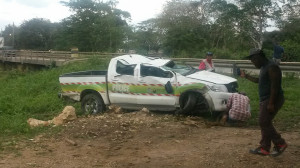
x,y
232,87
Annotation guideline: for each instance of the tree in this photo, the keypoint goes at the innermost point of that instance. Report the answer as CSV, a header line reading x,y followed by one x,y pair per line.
x,y
10,35
94,26
36,34
291,39
225,28
255,18
146,38
184,26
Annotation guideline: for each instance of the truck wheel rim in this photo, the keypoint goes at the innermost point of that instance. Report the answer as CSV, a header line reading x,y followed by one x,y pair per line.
x,y
91,106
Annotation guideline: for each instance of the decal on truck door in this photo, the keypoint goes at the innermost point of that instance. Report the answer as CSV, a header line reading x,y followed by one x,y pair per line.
x,y
120,88
128,88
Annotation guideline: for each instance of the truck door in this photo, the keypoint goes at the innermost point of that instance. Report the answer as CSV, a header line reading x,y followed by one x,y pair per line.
x,y
151,86
121,83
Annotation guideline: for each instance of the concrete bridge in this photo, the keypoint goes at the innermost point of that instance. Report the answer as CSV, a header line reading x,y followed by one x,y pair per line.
x,y
45,58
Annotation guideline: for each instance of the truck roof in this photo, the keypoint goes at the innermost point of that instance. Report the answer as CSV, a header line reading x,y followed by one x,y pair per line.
x,y
140,59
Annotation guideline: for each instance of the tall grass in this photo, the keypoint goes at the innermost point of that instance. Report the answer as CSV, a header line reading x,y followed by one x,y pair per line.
x,y
34,95
288,116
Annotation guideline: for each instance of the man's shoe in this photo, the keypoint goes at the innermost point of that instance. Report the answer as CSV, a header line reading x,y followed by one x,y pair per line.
x,y
259,151
278,150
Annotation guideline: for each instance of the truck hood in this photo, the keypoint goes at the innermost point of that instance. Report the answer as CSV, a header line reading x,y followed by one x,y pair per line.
x,y
211,77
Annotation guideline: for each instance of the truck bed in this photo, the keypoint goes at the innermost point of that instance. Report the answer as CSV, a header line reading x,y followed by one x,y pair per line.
x,y
85,73
73,84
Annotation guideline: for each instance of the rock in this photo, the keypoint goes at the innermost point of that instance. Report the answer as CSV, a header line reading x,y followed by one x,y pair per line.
x,y
36,123
71,142
68,114
115,109
145,110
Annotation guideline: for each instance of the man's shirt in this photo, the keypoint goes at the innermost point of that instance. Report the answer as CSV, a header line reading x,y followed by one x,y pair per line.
x,y
239,107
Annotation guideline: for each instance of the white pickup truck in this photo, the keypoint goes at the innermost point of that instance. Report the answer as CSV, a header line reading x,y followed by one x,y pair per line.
x,y
136,81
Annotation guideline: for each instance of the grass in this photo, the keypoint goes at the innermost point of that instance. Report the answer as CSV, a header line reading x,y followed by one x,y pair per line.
x,y
288,116
34,95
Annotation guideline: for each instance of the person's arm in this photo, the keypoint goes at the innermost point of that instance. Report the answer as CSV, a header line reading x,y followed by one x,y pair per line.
x,y
275,77
247,76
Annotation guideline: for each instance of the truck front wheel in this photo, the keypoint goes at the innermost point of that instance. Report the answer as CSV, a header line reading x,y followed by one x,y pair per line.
x,y
188,103
92,104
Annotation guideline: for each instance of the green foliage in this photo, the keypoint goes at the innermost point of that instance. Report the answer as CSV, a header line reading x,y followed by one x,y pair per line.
x,y
36,34
145,39
10,33
288,38
291,50
34,95
95,26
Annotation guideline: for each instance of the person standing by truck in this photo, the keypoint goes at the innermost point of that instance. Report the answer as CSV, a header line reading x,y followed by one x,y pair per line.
x,y
207,64
271,100
277,53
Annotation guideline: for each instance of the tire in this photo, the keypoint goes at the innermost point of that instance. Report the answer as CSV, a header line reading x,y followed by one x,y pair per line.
x,y
92,103
201,106
188,103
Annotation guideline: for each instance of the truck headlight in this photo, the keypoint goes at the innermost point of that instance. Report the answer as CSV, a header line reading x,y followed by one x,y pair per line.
x,y
218,88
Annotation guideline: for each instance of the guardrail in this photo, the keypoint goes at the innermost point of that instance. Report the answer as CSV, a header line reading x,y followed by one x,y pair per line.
x,y
61,57
49,57
230,66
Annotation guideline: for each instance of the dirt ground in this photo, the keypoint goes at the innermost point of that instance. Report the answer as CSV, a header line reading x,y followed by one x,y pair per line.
x,y
147,140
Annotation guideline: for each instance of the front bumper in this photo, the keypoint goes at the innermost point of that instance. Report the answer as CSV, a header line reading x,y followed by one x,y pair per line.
x,y
218,100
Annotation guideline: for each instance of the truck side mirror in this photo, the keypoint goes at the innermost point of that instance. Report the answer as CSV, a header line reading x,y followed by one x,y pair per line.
x,y
168,87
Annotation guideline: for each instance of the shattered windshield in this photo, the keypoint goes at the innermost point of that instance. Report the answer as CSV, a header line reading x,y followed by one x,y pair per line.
x,y
181,69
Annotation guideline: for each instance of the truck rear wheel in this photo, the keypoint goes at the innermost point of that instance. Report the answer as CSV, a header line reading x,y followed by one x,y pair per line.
x,y
92,104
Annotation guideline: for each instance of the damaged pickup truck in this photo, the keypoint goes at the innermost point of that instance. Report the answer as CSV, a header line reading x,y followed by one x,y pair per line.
x,y
135,81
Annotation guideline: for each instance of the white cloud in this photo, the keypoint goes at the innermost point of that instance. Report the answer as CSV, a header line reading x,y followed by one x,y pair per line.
x,y
141,10
34,3
18,11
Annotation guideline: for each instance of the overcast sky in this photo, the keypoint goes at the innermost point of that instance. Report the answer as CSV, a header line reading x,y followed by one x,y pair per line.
x,y
17,11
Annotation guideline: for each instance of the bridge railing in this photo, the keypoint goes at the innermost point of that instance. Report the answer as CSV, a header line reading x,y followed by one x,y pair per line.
x,y
35,57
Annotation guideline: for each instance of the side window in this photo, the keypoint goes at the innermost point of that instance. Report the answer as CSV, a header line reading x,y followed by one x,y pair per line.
x,y
154,71
125,69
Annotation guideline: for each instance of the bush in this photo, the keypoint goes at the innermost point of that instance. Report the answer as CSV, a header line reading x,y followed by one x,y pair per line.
x,y
291,51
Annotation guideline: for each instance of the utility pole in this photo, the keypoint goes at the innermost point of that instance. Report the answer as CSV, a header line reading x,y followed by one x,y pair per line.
x,y
13,36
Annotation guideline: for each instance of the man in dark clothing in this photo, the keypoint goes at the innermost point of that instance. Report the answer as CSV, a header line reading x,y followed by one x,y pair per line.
x,y
271,100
